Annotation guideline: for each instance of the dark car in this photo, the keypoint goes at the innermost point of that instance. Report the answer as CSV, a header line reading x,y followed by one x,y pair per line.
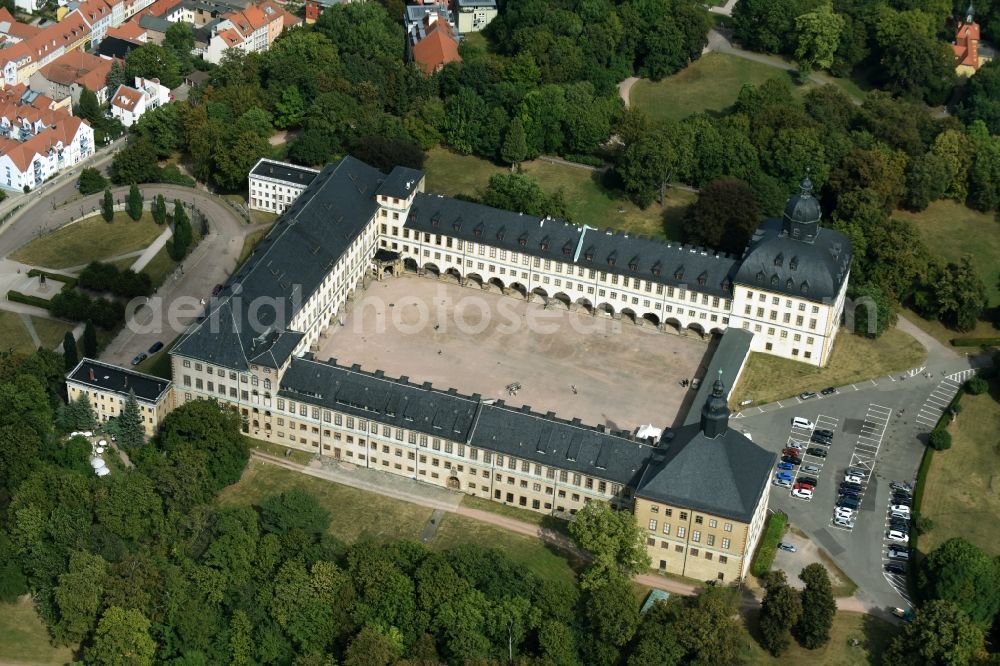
x,y
819,453
139,358
806,395
899,555
895,568
897,485
901,496
852,494
848,485
899,501
848,502
790,452
156,346
812,481
823,432
829,390
900,525
791,459
216,289
820,439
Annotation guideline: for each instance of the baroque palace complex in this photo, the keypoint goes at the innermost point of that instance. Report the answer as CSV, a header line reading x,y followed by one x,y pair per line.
x,y
700,489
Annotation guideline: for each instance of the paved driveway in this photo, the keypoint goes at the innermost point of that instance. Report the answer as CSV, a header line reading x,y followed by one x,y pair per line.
x,y
879,425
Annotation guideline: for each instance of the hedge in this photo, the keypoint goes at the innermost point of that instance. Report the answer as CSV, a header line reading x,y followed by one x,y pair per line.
x,y
773,531
68,282
18,297
975,342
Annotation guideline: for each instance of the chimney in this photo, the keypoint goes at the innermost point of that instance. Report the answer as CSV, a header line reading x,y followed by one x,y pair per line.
x,y
92,376
126,381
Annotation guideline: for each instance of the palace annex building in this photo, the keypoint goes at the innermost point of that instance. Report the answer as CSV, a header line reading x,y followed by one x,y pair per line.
x,y
700,490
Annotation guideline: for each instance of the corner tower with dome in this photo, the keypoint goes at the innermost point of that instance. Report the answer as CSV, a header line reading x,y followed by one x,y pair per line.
x,y
791,285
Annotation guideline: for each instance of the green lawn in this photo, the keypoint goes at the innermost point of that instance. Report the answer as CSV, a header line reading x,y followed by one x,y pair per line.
x,y
14,334
962,494
360,515
952,230
24,638
588,202
160,266
710,84
944,335
768,378
870,634
89,240
517,513
532,553
50,331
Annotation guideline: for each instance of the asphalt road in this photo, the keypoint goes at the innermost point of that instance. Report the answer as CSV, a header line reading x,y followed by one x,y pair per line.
x,y
880,424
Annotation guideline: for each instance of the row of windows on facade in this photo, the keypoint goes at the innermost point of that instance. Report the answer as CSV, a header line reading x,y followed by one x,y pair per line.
x,y
698,519
695,534
99,398
693,552
537,262
786,317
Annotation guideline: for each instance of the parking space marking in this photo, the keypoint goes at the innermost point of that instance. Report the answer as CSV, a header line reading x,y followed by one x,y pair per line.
x,y
866,447
939,399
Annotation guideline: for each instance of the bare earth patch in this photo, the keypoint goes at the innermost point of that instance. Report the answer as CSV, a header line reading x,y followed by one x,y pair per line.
x,y
480,342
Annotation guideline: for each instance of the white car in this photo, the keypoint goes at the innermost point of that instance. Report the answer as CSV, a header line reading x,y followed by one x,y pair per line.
x,y
896,535
802,493
796,445
900,508
799,422
850,478
844,522
842,512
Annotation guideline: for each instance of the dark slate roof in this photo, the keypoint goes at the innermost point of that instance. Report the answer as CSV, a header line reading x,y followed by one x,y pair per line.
x,y
286,268
119,380
814,271
115,47
724,476
673,264
289,173
395,402
154,23
510,431
554,442
729,356
400,183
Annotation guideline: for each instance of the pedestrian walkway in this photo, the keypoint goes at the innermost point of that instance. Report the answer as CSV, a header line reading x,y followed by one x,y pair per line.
x,y
151,251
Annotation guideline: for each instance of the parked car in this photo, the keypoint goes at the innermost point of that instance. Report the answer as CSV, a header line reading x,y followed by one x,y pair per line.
x,y
905,614
843,522
790,451
849,485
819,453
897,553
820,439
139,358
802,493
842,512
901,526
784,465
783,483
787,476
850,494
155,347
895,568
852,479
812,481
800,485
902,501
790,547
897,536
791,459
899,485
855,471
898,514
824,432
695,383
900,508
806,395
799,422
849,502
829,390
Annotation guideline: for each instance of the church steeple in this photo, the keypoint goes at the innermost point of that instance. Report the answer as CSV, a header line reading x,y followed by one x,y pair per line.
x,y
715,412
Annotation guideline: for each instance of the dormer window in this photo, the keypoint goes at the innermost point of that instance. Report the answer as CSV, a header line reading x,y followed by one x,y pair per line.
x,y
760,276
456,225
779,260
500,233
545,243
703,278
679,273
611,260
567,249
727,285
805,287
632,266
436,221
790,283
589,254
522,241
774,280
793,263
478,231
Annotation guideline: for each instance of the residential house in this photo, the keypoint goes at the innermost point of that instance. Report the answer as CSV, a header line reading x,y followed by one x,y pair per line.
x,y
130,31
275,185
252,30
316,7
107,387
129,103
26,57
431,37
28,159
474,15
98,15
70,74
12,31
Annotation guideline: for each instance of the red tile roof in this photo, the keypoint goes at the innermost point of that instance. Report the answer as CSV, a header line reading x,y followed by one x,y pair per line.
x,y
130,31
126,97
437,49
79,67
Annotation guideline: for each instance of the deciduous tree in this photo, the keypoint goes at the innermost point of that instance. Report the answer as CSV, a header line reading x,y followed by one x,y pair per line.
x,y
873,311
818,608
122,639
724,216
779,612
940,635
521,193
91,181
818,36
960,573
617,544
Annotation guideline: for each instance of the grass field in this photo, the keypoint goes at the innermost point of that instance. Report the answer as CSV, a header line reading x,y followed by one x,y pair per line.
x,y
768,378
588,202
516,512
50,331
89,240
952,230
160,266
360,515
24,639
712,83
962,495
13,333
871,633
944,335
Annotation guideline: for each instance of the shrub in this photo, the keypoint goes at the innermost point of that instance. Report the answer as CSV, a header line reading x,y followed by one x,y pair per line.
x,y
99,276
940,439
977,386
773,531
975,342
18,297
91,181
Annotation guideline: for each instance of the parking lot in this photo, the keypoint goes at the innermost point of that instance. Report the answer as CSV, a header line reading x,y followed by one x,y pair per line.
x,y
874,430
